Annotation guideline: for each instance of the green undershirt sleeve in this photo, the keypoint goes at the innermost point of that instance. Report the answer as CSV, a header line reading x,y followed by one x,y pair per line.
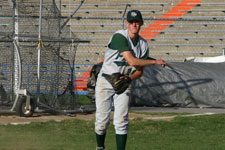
x,y
119,42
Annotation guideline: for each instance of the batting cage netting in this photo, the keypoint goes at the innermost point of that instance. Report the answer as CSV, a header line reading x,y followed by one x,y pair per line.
x,y
37,54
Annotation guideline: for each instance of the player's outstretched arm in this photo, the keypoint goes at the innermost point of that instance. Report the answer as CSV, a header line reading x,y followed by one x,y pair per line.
x,y
136,62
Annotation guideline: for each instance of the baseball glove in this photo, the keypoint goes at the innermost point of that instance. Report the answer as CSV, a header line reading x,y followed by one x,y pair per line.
x,y
119,84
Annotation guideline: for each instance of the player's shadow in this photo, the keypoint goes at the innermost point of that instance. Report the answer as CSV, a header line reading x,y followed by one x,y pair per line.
x,y
151,90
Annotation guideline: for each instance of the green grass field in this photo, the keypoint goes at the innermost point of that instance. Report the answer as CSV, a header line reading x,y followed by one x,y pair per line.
x,y
182,133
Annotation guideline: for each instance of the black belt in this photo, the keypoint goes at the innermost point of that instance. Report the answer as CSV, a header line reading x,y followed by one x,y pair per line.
x,y
104,75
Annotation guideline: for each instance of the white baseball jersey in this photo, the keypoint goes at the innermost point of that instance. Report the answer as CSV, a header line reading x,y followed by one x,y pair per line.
x,y
114,62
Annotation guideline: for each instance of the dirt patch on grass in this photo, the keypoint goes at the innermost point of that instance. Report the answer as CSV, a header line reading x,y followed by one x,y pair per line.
x,y
131,116
151,117
13,119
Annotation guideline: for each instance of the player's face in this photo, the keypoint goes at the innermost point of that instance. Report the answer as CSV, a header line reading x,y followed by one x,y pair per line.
x,y
134,26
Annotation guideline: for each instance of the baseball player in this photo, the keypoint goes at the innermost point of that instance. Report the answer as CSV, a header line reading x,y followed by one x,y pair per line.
x,y
125,57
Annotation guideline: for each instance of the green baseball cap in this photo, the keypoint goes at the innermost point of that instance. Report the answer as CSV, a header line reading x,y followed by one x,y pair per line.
x,y
134,15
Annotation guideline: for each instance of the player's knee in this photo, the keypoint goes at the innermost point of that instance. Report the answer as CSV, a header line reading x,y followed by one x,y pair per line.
x,y
122,127
100,128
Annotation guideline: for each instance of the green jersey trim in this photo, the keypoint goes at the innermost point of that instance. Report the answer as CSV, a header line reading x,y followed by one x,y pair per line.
x,y
146,55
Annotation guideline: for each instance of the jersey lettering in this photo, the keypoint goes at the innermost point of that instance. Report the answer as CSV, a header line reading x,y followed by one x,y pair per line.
x,y
119,63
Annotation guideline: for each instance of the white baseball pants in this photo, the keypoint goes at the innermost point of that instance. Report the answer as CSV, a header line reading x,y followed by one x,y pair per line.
x,y
105,96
